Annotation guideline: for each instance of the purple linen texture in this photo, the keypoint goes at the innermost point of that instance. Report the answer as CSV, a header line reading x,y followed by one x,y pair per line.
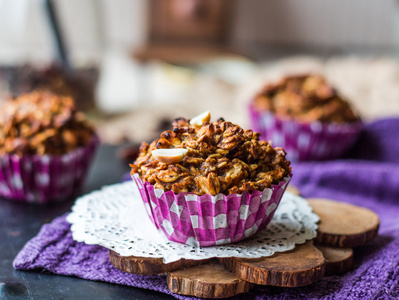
x,y
210,220
368,177
45,178
304,142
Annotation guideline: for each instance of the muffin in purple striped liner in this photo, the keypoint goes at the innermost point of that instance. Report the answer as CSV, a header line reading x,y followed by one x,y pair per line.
x,y
207,184
306,116
306,141
46,148
45,178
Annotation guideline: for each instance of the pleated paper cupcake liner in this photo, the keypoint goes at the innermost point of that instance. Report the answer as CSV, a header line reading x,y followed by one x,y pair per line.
x,y
306,141
45,178
210,220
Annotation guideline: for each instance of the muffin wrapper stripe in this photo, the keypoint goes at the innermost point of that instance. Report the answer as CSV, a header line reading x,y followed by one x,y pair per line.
x,y
210,220
313,141
45,178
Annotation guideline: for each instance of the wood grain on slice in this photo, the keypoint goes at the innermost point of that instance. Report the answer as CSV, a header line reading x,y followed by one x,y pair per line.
x,y
148,265
206,281
301,266
344,225
338,260
294,190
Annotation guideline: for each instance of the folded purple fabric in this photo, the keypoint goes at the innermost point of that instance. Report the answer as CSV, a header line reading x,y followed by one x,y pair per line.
x,y
368,177
54,250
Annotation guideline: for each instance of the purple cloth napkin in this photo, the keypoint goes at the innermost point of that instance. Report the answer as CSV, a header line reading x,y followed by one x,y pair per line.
x,y
368,176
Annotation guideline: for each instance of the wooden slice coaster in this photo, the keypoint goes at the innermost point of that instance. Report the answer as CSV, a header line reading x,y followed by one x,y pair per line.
x,y
344,225
301,266
341,225
148,265
338,260
206,281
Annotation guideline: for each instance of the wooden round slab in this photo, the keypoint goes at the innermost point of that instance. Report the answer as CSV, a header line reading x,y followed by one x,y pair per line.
x,y
206,281
148,265
341,225
301,266
338,260
344,225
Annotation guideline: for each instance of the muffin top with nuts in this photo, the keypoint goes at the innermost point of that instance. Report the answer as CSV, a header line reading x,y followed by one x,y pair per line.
x,y
204,157
42,123
305,98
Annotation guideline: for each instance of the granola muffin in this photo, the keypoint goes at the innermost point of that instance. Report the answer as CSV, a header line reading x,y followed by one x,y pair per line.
x,y
46,147
79,84
210,183
307,116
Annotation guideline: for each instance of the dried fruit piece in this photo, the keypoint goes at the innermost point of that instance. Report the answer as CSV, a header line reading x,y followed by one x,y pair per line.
x,y
168,176
169,156
200,119
213,184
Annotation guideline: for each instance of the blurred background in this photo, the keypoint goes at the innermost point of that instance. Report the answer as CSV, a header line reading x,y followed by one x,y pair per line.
x,y
134,65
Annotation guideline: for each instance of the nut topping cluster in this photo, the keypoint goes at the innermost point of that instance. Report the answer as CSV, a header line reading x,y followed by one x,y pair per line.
x,y
305,98
42,123
221,158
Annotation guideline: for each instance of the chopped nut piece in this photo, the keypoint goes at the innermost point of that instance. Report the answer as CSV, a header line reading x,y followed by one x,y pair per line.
x,y
169,156
200,119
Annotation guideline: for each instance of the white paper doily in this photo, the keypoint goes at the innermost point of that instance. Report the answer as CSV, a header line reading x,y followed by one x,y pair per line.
x,y
115,218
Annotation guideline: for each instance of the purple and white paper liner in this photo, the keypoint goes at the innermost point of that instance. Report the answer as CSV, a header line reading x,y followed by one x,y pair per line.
x,y
45,178
305,141
210,220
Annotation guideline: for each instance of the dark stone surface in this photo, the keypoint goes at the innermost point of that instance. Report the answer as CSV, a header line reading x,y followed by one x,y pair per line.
x,y
20,222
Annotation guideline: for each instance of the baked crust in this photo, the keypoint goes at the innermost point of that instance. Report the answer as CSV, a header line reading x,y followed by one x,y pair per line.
x,y
305,98
42,123
221,158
